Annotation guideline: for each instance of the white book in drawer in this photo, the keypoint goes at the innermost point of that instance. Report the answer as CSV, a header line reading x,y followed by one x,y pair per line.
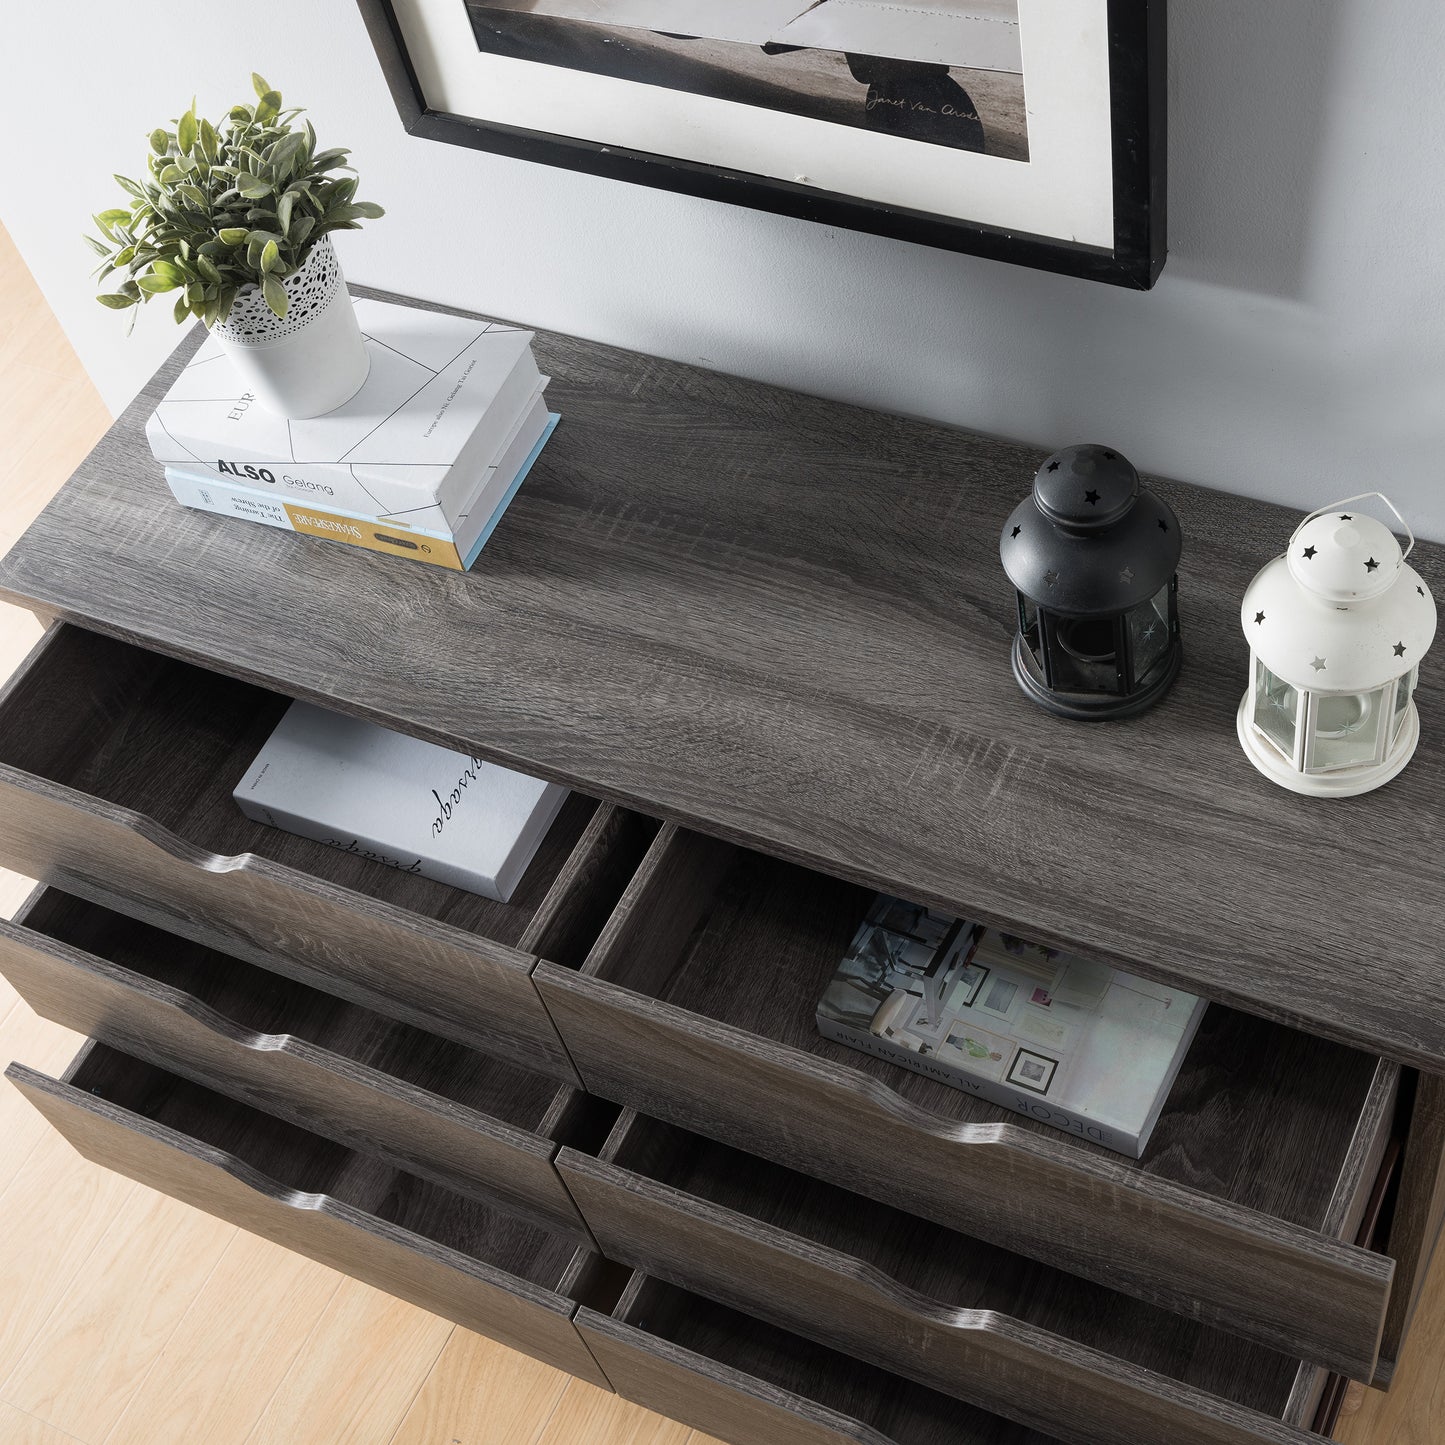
x,y
399,801
1067,1041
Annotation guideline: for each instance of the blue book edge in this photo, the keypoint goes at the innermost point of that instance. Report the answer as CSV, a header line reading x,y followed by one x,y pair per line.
x,y
552,419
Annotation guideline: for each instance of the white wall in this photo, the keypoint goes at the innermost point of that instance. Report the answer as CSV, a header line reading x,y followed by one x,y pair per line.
x,y
1295,347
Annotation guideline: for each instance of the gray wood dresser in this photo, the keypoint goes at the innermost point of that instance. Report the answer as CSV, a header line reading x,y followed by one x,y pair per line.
x,y
765,639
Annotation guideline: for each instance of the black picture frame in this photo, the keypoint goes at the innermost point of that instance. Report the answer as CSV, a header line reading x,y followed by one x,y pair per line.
x,y
1137,35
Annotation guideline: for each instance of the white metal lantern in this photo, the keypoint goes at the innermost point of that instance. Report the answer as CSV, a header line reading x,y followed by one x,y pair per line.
x,y
1337,628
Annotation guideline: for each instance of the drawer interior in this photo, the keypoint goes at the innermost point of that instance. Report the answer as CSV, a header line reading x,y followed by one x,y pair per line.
x,y
1260,1115
172,741
266,1003
955,1270
307,1164
901,1412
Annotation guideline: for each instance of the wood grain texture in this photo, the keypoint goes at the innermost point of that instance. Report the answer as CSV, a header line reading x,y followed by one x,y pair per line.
x,y
125,798
463,1274
84,1364
433,1108
751,1384
482,1394
240,1334
354,1385
1419,1216
783,620
989,1327
55,1212
710,970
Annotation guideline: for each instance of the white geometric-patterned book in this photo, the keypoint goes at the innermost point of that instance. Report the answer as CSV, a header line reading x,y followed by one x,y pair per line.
x,y
443,395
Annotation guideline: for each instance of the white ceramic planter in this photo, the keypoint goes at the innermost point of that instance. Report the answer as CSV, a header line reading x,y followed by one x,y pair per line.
x,y
309,361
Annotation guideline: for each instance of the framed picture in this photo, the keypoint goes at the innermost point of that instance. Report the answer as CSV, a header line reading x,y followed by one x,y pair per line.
x,y
1000,998
1033,1071
966,985
1029,131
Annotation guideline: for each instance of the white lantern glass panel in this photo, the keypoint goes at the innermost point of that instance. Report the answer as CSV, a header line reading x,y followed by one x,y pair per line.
x,y
1149,633
1403,688
1346,729
1276,709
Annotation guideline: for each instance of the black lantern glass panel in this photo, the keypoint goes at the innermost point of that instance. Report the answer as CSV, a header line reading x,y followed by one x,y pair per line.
x,y
1094,556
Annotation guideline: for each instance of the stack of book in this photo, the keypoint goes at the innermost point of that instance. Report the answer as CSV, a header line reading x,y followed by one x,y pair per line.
x,y
1068,1041
420,463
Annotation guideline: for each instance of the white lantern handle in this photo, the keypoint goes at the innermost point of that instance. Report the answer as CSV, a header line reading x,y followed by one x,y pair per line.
x,y
1360,497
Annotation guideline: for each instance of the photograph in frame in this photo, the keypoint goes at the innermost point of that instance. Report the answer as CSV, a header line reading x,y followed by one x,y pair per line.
x,y
1025,130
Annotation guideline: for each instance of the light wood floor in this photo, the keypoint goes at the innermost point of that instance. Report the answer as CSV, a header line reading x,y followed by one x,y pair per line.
x,y
129,1319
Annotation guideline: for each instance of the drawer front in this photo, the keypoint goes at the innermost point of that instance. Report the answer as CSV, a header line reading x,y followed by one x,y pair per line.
x,y
288,1077
411,968
1007,1366
512,1311
721,1402
1288,1287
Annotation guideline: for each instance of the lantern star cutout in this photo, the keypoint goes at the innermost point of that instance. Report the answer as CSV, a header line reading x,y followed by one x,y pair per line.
x,y
1091,497
1259,617
1371,565
1421,591
1126,575
1399,649
1346,517
1310,552
1163,525
1052,467
1016,531
1318,664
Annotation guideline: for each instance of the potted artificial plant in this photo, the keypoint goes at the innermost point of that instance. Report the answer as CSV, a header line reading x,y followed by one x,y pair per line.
x,y
236,219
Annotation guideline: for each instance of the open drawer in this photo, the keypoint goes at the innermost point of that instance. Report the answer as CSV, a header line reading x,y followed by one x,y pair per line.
x,y
116,772
750,1384
435,1108
697,1006
490,1270
956,1315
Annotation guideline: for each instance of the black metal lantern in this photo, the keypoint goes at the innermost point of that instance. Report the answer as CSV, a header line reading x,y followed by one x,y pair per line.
x,y
1094,557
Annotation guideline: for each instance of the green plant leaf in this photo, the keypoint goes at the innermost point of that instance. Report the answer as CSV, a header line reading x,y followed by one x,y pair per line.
x,y
269,106
171,174
361,211
116,300
154,284
126,184
270,257
187,131
210,141
285,151
283,212
275,294
160,141
300,230
181,309
328,160
99,247
253,187
207,268
259,86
